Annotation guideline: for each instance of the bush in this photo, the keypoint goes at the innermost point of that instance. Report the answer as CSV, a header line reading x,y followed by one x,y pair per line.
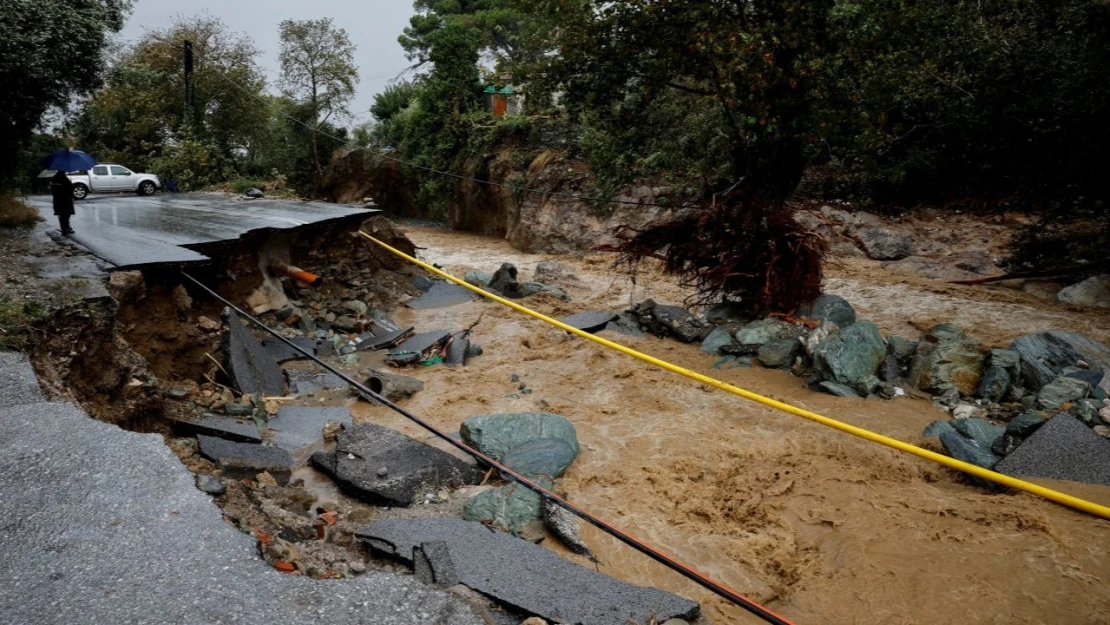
x,y
242,185
16,323
15,213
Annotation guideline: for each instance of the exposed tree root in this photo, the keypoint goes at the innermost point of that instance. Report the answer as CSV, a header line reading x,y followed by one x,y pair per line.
x,y
747,252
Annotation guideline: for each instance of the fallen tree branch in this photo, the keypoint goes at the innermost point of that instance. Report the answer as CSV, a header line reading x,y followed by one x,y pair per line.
x,y
1045,273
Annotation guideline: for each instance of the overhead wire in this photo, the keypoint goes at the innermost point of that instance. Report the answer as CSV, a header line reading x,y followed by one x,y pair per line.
x,y
668,561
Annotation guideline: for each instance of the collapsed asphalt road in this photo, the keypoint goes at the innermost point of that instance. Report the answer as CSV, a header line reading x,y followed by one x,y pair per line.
x,y
102,525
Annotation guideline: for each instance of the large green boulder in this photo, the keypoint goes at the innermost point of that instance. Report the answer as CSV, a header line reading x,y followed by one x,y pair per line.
x,y
509,507
1045,355
829,308
851,356
763,331
947,358
497,434
1060,391
779,354
548,457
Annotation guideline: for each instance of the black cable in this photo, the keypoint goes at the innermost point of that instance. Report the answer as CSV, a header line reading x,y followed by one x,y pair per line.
x,y
702,580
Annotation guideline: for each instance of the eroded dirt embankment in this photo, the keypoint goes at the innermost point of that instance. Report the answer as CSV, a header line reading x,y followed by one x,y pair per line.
x,y
825,527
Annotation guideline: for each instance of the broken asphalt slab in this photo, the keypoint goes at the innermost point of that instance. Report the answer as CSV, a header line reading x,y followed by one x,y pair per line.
x,y
246,460
589,321
281,352
385,467
1062,449
442,295
250,366
299,430
240,430
18,384
103,525
525,576
311,381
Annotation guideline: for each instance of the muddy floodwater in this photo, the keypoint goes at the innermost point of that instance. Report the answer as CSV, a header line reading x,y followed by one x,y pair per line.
x,y
820,526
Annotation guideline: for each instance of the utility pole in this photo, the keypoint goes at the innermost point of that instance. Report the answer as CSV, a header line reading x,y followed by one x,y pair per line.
x,y
189,85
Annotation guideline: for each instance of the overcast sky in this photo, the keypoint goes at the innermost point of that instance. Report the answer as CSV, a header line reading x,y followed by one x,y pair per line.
x,y
372,24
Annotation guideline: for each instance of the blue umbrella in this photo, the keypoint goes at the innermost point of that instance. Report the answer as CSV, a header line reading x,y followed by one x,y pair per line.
x,y
69,160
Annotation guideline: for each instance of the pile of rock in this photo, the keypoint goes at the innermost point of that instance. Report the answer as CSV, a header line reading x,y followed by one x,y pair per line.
x,y
1018,390
997,398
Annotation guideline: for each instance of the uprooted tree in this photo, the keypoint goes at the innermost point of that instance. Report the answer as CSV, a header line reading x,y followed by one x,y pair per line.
x,y
760,65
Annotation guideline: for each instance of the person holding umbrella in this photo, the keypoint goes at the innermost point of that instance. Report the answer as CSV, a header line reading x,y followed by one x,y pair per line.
x,y
61,187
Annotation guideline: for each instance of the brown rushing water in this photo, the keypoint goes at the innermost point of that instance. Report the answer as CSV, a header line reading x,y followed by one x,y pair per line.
x,y
821,526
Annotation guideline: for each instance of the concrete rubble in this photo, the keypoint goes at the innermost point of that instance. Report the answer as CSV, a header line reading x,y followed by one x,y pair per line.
x,y
523,575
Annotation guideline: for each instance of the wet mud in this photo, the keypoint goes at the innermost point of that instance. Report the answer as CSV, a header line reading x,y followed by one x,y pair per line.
x,y
820,526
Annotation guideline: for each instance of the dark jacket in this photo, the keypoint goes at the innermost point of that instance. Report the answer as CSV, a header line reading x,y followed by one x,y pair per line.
x,y
62,190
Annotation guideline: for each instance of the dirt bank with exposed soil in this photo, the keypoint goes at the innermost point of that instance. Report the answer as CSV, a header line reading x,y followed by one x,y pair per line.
x,y
824,527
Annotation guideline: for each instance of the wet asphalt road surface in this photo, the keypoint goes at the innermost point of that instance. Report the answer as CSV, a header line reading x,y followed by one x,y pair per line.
x,y
133,232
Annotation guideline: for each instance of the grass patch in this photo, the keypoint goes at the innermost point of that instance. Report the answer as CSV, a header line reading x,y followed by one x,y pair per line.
x,y
16,323
15,213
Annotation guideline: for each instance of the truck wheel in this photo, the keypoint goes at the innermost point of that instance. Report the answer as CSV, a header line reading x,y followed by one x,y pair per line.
x,y
80,191
146,188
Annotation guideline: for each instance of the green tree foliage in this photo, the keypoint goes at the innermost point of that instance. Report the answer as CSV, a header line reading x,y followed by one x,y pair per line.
x,y
759,63
139,118
388,105
495,22
318,70
50,52
979,98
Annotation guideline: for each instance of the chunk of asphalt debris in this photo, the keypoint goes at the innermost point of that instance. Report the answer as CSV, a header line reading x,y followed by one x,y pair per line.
x,y
528,577
589,321
251,368
457,349
310,381
393,387
241,430
383,334
1062,449
431,564
263,456
299,429
417,349
626,324
281,352
412,468
18,384
442,295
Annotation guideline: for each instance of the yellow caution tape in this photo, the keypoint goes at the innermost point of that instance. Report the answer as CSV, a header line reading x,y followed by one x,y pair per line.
x,y
952,463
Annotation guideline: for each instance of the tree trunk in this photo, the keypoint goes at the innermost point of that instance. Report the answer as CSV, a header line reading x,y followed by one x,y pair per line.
x,y
316,158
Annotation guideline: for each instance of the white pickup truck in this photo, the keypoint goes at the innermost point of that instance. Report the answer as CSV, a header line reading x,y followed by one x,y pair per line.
x,y
113,178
